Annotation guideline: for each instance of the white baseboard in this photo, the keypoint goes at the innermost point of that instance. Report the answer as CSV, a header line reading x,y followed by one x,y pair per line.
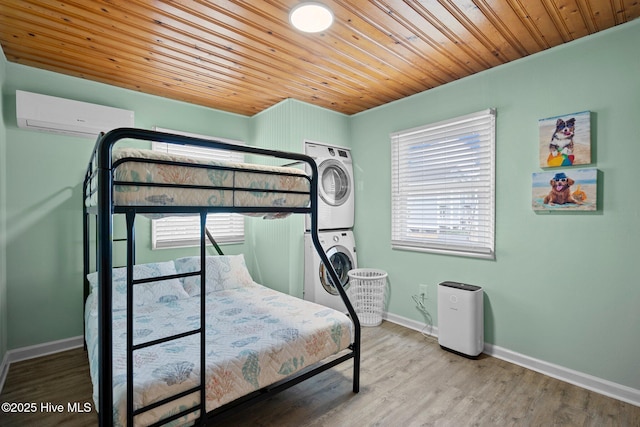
x,y
30,352
411,324
586,381
580,379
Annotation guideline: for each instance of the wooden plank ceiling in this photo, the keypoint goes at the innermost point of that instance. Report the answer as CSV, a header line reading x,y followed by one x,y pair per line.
x,y
243,56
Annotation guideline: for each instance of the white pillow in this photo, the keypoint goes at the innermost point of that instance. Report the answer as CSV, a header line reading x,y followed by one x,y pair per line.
x,y
145,293
223,272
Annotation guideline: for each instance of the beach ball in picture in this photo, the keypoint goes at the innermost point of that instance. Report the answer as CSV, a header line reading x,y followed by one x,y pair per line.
x,y
567,190
565,140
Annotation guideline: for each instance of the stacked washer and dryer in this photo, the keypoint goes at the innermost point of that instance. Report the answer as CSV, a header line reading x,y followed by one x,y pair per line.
x,y
335,225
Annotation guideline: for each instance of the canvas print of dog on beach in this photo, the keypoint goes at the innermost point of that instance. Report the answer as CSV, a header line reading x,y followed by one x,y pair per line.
x,y
565,140
567,190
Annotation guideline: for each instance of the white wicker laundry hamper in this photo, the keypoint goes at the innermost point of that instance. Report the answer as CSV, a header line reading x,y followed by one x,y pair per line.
x,y
367,292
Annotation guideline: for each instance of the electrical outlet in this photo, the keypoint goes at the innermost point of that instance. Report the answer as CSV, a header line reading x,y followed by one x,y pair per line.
x,y
423,291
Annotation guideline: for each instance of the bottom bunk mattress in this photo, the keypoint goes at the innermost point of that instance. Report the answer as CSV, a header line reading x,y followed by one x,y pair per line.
x,y
255,337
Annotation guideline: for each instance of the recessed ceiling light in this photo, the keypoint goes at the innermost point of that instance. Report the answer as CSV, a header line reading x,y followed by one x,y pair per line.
x,y
311,17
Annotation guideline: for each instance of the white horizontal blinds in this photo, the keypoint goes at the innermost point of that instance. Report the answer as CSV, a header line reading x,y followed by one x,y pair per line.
x,y
199,152
443,186
180,231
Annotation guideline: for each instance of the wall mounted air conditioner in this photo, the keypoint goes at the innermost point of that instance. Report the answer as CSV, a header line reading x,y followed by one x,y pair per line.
x,y
65,116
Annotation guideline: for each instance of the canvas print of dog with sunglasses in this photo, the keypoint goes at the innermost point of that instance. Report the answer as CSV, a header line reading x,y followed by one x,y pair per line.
x,y
574,189
565,140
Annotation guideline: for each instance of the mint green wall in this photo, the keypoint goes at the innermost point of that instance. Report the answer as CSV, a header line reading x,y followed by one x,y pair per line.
x,y
3,214
563,288
44,175
278,246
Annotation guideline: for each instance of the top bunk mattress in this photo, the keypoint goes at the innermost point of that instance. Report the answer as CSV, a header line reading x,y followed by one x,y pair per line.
x,y
154,178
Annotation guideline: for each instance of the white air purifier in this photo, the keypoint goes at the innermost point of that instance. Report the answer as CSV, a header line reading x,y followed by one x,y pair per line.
x,y
461,318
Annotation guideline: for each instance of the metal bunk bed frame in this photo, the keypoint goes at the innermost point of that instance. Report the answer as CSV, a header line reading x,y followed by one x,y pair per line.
x,y
101,167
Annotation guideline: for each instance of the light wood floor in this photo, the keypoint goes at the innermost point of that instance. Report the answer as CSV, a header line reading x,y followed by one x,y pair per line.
x,y
406,380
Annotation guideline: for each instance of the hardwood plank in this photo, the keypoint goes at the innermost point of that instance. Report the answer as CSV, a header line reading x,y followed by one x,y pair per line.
x,y
58,379
406,380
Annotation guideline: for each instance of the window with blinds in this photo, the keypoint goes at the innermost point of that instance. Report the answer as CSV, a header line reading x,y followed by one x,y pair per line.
x,y
183,231
443,187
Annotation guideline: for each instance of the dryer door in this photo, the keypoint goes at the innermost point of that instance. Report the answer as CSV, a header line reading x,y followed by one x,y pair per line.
x,y
342,262
334,185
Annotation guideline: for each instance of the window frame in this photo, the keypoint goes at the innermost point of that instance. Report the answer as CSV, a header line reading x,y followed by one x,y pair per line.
x,y
459,189
191,223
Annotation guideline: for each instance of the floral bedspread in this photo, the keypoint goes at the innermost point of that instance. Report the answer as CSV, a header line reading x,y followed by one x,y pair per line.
x,y
255,336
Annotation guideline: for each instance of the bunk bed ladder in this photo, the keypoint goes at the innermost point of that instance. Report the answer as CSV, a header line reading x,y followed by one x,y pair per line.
x,y
131,347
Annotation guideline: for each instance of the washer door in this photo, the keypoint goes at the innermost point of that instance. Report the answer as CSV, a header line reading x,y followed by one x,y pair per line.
x,y
334,185
342,262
